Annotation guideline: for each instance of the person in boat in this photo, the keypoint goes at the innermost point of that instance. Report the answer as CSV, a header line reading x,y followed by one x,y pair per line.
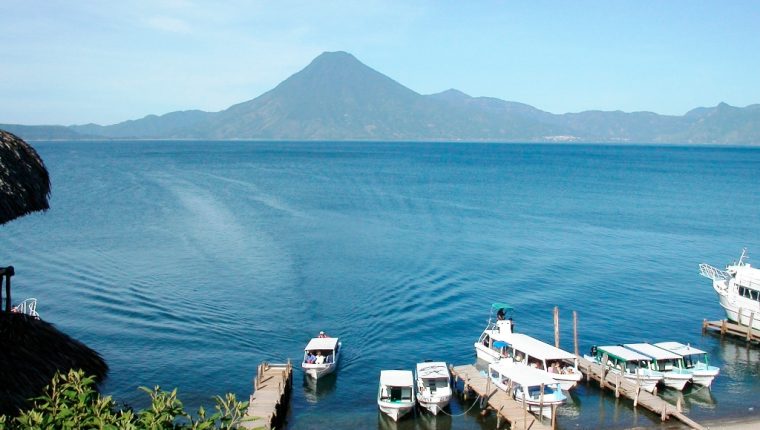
x,y
320,358
310,357
500,314
322,334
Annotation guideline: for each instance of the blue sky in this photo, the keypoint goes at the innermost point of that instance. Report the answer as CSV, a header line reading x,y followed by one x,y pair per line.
x,y
74,62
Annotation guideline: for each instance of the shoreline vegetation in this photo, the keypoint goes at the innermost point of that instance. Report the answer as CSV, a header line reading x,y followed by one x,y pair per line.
x,y
72,401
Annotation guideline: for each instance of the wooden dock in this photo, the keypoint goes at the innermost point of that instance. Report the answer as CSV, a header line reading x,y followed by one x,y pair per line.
x,y
504,405
733,329
622,386
269,401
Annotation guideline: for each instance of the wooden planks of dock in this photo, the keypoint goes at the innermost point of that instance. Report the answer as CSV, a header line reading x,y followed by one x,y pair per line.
x,y
732,328
269,401
504,405
640,397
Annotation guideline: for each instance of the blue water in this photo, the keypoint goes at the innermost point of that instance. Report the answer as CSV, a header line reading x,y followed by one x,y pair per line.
x,y
185,264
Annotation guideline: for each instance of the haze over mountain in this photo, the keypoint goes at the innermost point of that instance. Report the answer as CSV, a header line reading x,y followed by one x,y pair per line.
x,y
336,97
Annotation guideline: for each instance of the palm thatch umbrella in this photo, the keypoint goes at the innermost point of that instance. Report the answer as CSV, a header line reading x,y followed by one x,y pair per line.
x,y
24,187
24,180
31,350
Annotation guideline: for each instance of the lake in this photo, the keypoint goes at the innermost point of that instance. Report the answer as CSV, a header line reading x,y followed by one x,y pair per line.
x,y
185,263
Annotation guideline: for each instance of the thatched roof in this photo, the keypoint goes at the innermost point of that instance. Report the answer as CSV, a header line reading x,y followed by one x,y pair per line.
x,y
24,180
32,351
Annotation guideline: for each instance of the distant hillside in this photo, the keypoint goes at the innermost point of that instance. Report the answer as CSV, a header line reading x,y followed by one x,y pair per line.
x,y
336,97
39,132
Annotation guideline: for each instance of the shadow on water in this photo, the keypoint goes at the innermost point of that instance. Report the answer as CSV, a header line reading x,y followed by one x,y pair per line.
x,y
315,390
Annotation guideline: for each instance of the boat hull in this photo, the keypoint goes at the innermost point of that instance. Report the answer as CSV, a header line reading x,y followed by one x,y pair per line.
x,y
317,371
648,383
704,377
677,380
395,410
434,405
733,303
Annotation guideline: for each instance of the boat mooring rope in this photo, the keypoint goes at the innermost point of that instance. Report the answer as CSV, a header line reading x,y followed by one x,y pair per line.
x,y
463,413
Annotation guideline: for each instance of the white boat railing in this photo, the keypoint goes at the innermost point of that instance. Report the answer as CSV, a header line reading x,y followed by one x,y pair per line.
x,y
28,306
713,273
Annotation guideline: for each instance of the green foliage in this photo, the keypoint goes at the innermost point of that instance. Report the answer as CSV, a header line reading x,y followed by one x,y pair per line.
x,y
71,402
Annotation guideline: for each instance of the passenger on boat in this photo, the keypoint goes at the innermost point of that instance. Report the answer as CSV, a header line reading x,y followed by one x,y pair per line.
x,y
320,358
310,358
322,334
500,314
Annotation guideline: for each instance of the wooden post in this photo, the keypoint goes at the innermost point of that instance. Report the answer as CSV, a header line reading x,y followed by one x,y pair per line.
x,y
749,327
525,411
679,408
541,402
739,319
554,417
575,332
704,326
636,396
8,273
617,386
556,326
723,327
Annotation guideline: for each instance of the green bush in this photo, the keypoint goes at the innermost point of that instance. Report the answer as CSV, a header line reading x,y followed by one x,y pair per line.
x,y
72,402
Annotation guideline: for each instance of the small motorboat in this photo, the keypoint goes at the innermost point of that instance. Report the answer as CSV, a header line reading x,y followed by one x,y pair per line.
x,y
674,376
540,392
433,386
693,360
395,396
321,356
634,366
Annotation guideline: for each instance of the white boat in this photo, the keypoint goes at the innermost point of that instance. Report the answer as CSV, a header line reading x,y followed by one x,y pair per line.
x,y
499,342
562,366
634,366
669,363
433,386
738,289
540,392
321,356
490,346
395,396
694,360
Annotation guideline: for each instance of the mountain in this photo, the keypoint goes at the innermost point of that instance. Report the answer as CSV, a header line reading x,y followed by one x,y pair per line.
x,y
336,97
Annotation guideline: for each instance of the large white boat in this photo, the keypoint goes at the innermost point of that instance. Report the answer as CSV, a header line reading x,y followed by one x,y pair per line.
x,y
539,391
694,360
634,366
499,343
395,396
433,386
669,363
738,289
321,356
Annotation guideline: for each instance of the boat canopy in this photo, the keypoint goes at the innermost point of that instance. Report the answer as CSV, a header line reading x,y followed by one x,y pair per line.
x,y
524,375
537,349
622,353
679,348
322,343
499,305
652,351
433,369
396,378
